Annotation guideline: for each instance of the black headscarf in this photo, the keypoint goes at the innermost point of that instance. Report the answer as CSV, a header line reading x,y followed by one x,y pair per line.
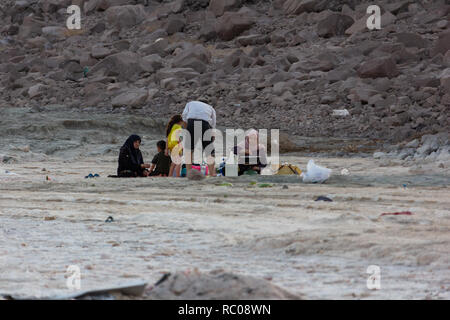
x,y
135,154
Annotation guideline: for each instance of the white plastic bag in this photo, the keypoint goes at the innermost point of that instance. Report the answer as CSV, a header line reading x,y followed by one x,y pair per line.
x,y
315,173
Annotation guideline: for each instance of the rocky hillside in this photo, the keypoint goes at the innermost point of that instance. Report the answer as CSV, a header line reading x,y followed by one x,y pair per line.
x,y
268,64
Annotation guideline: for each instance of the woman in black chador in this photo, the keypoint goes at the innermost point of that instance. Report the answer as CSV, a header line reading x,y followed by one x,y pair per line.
x,y
131,163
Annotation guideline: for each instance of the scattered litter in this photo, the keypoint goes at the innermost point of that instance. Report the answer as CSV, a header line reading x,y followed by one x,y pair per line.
x,y
225,184
315,173
288,169
49,218
345,172
323,198
109,219
163,278
340,113
92,176
195,175
406,213
265,185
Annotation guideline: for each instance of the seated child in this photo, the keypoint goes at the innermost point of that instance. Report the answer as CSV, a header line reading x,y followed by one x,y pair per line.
x,y
161,163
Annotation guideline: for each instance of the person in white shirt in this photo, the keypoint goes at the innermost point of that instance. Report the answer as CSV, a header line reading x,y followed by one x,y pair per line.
x,y
202,115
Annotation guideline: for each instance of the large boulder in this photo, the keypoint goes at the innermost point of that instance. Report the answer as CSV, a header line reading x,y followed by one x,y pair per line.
x,y
334,25
125,16
195,57
216,285
54,33
152,63
445,80
31,27
102,5
72,70
300,6
177,73
131,98
411,40
218,7
36,91
378,68
175,24
208,30
125,65
158,46
442,45
232,24
252,40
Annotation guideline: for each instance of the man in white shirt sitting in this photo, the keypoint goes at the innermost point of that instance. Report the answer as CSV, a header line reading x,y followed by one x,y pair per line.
x,y
202,116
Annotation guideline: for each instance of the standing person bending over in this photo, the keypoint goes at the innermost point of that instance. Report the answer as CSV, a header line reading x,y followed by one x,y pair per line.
x,y
202,115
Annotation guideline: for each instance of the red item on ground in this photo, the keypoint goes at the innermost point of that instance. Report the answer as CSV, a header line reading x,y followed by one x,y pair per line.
x,y
407,213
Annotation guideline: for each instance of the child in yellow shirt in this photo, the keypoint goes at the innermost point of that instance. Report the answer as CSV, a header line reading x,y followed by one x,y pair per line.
x,y
174,145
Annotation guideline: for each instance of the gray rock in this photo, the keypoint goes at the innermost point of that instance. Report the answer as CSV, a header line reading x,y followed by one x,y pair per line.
x,y
195,57
413,144
152,63
72,70
131,98
36,90
157,47
100,52
208,30
411,40
218,7
445,80
214,285
232,24
54,33
379,155
442,45
125,16
431,143
124,65
178,73
378,67
252,40
334,25
175,24
31,27
299,6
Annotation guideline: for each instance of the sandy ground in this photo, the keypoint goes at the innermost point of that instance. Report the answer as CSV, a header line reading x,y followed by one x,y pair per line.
x,y
320,250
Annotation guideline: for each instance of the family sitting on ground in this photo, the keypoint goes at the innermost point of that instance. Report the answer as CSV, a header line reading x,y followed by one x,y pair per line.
x,y
167,162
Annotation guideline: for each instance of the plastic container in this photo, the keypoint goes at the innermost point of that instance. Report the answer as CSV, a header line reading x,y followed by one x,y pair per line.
x,y
231,166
